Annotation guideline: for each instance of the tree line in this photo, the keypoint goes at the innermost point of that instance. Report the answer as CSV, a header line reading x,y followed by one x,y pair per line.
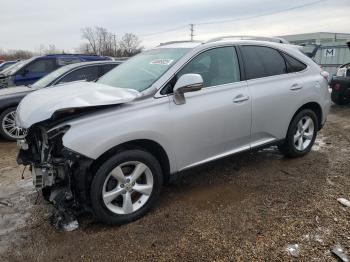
x,y
97,40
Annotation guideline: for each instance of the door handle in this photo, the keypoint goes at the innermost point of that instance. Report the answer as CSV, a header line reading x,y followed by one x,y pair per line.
x,y
296,87
240,98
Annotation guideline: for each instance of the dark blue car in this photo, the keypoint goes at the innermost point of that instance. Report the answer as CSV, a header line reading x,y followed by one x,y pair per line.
x,y
29,71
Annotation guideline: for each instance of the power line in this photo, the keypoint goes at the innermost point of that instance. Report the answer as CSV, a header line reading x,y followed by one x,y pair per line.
x,y
232,20
165,31
262,15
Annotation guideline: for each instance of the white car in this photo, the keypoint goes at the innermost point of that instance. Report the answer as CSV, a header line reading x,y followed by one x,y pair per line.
x,y
109,146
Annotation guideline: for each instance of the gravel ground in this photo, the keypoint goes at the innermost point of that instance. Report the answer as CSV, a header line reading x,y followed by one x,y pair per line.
x,y
248,207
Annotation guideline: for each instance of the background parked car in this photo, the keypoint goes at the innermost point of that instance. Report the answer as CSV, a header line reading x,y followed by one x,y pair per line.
x,y
6,64
28,71
10,97
340,84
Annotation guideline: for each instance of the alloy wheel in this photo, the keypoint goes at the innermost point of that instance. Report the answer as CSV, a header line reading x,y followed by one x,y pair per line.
x,y
127,187
304,133
9,126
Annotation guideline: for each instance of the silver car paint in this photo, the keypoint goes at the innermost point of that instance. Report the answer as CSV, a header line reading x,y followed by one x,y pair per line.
x,y
211,124
42,104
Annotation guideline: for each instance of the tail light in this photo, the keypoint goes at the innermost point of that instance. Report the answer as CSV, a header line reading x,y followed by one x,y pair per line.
x,y
325,75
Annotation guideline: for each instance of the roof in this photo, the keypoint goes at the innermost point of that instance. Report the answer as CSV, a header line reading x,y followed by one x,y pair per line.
x,y
180,44
72,55
75,65
193,44
247,37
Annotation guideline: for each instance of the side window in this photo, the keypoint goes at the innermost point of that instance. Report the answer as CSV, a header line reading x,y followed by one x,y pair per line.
x,y
262,61
87,73
106,68
217,66
42,66
293,64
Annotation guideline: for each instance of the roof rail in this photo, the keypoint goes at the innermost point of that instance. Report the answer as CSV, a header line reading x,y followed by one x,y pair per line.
x,y
178,42
246,37
71,54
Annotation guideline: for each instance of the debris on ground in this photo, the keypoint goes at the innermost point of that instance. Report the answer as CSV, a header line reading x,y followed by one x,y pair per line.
x,y
64,220
6,203
293,250
344,202
339,251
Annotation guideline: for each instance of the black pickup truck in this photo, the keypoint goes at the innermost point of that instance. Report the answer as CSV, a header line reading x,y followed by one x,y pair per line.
x,y
340,84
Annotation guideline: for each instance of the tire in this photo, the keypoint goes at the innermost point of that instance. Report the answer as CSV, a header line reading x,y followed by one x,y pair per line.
x,y
6,115
118,211
297,149
338,98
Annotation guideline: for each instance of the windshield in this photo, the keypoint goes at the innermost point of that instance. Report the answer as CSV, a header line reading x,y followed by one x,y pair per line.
x,y
143,70
48,79
5,65
14,68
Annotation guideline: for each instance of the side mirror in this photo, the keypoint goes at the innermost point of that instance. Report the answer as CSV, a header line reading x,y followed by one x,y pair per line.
x,y
186,83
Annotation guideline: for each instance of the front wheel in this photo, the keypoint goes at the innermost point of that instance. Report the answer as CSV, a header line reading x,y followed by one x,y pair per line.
x,y
301,134
126,187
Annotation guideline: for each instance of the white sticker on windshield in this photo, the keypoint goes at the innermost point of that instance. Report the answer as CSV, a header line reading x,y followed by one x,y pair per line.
x,y
161,62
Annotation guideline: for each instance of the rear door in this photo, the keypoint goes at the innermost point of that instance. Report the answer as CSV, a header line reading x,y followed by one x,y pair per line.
x,y
276,92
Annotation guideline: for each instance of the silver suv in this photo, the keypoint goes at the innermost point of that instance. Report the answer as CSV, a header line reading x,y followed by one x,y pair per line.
x,y
109,146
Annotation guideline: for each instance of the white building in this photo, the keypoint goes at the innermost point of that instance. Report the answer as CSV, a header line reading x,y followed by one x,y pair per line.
x,y
333,50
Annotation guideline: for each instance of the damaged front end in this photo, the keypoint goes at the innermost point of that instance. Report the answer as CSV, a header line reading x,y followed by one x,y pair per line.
x,y
61,174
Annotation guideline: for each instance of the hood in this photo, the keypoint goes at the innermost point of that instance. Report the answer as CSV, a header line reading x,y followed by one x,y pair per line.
x,y
14,90
42,104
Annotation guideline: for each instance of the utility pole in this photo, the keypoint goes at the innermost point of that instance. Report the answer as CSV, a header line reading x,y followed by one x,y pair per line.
x,y
115,46
192,31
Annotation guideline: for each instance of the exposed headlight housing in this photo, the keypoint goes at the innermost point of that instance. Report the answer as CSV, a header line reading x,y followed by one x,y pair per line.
x,y
58,130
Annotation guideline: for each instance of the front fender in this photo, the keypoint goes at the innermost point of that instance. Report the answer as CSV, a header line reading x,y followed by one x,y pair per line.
x,y
94,144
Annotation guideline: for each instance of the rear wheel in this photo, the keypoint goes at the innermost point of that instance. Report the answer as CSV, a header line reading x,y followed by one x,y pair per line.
x,y
301,134
8,128
126,187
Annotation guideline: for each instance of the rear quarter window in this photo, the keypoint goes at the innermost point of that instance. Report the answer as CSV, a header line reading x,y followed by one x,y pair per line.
x,y
293,64
262,61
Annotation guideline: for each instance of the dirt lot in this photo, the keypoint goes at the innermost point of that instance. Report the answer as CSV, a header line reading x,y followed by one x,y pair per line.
x,y
244,208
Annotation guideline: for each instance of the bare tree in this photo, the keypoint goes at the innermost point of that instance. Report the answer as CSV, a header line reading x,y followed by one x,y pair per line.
x,y
130,45
47,50
102,42
15,54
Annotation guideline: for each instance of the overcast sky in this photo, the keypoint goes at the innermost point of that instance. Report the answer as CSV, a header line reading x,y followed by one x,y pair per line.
x,y
29,24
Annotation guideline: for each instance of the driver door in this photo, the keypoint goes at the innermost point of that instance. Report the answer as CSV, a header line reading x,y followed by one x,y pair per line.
x,y
216,120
